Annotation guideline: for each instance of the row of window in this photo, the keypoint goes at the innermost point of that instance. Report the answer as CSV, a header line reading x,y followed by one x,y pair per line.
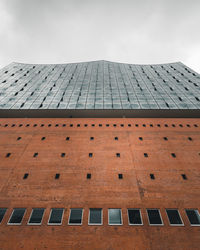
x,y
96,216
120,176
101,125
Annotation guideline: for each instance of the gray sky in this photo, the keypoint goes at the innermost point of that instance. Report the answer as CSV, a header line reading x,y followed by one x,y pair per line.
x,y
63,31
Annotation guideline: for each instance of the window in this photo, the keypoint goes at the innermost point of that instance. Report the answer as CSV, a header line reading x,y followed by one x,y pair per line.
x,y
188,125
43,138
136,125
107,125
56,216
145,155
57,176
91,138
151,125
114,125
152,176
166,125
25,176
193,217
144,125
154,217
116,138
180,125
93,125
67,138
134,217
189,138
120,176
19,138
8,155
174,217
42,125
122,125
89,176
140,138
56,125
64,125
173,125
27,125
173,155
17,216
2,213
114,216
85,125
118,154
165,138
78,125
13,125
95,216
35,125
49,125
36,216
100,125
71,125
184,177
90,154
75,217
35,155
62,155
158,125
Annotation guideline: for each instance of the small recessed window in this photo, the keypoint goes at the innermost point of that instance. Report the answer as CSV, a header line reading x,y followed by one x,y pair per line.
x,y
95,216
35,155
152,176
89,176
107,125
100,125
8,155
158,125
116,138
42,125
16,216
165,138
67,138
173,125
136,125
2,213
57,176
49,125
19,138
6,125
166,125
85,125
151,125
62,155
154,217
120,176
25,176
114,125
184,177
174,217
91,138
93,125
193,217
64,125
129,125
71,125
36,216
180,125
188,125
189,138
195,125
134,217
75,217
20,125
35,125
56,125
43,138
122,125
90,154
13,125
27,125
114,216
145,155
144,125
173,155
78,125
56,216
140,138
118,154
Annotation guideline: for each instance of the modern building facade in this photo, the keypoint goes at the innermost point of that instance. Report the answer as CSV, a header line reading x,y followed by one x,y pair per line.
x,y
99,155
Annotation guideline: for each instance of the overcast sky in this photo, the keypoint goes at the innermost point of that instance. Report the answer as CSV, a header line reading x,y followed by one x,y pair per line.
x,y
64,31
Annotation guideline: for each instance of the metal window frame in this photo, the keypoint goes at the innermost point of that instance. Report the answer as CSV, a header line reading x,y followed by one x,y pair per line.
x,y
179,225
140,217
56,224
195,209
4,213
36,224
116,224
159,214
17,224
95,224
76,224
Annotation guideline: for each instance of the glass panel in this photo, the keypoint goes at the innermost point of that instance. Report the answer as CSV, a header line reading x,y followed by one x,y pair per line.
x,y
17,216
174,217
36,216
76,216
95,216
134,216
56,216
2,213
193,216
115,216
154,217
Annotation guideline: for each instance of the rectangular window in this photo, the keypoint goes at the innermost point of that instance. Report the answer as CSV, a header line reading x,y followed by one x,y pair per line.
x,y
56,216
88,176
2,213
174,217
115,217
36,216
16,216
154,217
193,216
75,217
120,176
95,216
134,217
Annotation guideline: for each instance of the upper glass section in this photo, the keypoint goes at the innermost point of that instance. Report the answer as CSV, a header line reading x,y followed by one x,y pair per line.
x,y
99,85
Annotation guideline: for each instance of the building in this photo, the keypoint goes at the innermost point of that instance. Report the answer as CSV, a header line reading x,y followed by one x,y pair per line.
x,y
99,155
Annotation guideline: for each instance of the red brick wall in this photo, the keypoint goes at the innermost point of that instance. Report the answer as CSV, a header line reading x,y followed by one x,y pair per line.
x,y
104,190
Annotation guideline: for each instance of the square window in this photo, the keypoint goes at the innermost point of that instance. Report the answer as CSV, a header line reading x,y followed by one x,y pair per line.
x,y
154,217
92,138
165,138
184,177
120,176
49,125
75,217
107,125
116,138
118,154
93,125
35,155
43,138
19,138
56,125
122,125
62,155
173,155
8,155
89,176
189,138
134,217
100,125
2,213
36,216
140,138
152,176
16,216
95,216
78,125
174,217
67,138
90,154
56,216
71,125
114,216
193,217
114,125
129,125
25,176
85,125
57,176
145,155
